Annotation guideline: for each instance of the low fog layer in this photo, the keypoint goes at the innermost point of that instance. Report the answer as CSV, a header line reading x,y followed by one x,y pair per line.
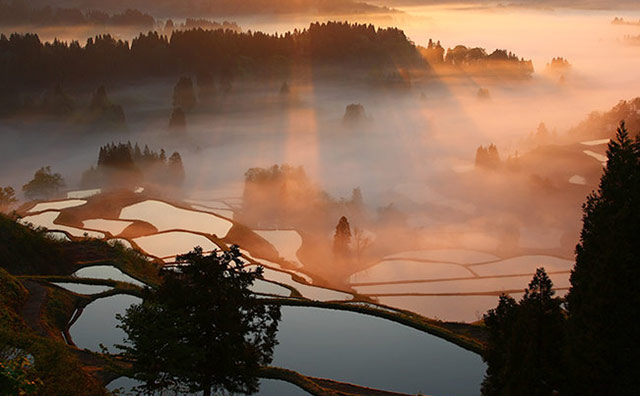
x,y
414,146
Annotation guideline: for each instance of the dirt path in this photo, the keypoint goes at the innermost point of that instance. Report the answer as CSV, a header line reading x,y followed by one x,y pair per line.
x,y
33,306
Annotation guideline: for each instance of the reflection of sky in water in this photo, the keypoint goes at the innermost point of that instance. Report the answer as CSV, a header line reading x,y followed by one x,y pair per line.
x,y
374,352
97,324
268,387
344,346
105,272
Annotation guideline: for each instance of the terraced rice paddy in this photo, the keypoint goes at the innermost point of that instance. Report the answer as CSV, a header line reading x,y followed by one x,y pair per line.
x,y
57,205
454,292
105,272
47,219
168,217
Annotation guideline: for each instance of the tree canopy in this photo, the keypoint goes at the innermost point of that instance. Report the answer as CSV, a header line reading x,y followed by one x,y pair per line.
x,y
124,164
202,330
45,184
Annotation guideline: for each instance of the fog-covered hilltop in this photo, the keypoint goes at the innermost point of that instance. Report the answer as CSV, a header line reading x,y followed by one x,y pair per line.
x,y
20,13
227,7
338,50
222,52
577,4
16,13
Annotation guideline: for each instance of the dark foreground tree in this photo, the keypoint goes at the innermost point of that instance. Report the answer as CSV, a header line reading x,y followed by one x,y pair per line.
x,y
202,330
604,302
525,349
44,184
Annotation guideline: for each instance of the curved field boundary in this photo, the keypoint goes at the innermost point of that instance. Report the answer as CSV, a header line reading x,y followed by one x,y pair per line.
x,y
322,386
452,279
452,332
462,294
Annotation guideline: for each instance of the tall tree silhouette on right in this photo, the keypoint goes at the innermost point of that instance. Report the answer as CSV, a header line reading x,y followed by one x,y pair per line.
x,y
603,335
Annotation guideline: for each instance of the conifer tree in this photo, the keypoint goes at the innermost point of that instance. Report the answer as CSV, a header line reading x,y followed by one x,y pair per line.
x,y
342,239
604,302
525,349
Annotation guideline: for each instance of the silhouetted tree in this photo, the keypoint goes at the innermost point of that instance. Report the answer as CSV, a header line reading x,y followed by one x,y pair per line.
x,y
202,329
558,64
434,53
342,239
183,95
175,169
353,114
7,198
104,113
125,165
44,184
603,302
488,157
526,339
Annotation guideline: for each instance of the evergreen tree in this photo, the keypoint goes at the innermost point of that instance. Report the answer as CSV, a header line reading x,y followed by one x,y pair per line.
x,y
487,158
525,348
137,154
604,303
342,239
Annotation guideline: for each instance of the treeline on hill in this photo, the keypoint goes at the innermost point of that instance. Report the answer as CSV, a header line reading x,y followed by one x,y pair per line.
x,y
598,124
476,59
15,13
21,13
126,165
55,103
29,63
